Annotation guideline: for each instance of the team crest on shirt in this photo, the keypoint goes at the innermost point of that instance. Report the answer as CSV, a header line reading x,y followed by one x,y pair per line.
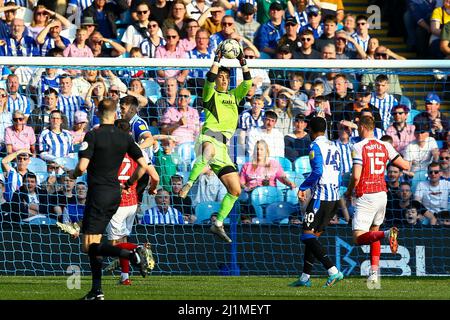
x,y
311,154
84,146
142,127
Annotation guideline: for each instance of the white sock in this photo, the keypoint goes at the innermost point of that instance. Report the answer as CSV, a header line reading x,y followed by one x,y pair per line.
x,y
219,223
333,270
123,276
304,277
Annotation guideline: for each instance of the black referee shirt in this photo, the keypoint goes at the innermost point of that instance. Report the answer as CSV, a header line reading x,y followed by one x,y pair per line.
x,y
106,147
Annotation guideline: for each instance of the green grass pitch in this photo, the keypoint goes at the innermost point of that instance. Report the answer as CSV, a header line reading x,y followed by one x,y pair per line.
x,y
225,288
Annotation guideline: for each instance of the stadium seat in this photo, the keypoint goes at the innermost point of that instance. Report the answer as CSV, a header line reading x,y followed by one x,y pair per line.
x,y
412,113
291,196
37,165
67,162
151,87
421,175
406,101
186,154
302,165
275,212
203,210
240,161
286,164
261,197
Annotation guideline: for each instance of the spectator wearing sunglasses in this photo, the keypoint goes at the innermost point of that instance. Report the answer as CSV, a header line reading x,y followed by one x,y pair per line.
x,y
137,32
19,135
361,35
105,15
306,50
433,193
444,162
401,132
314,21
246,24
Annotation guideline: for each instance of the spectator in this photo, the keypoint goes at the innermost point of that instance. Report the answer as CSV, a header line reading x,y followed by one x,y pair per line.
x,y
40,117
137,31
50,37
96,93
97,43
172,50
42,17
439,17
160,10
182,122
208,188
445,40
105,15
374,43
317,91
412,217
295,93
188,42
9,10
444,218
251,118
74,212
298,12
196,8
89,24
18,43
168,99
273,137
80,127
5,120
434,192
314,21
424,149
31,201
349,24
280,76
177,19
283,109
345,146
370,112
163,212
149,45
68,102
402,133
333,8
328,35
270,32
19,135
307,50
382,100
211,19
417,20
291,37
165,161
13,175
81,85
55,142
439,121
296,144
65,196
246,25
328,52
361,35
393,179
444,162
340,101
393,80
343,50
79,47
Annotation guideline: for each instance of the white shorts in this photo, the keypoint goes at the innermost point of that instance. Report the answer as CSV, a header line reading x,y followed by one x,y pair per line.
x,y
121,223
369,211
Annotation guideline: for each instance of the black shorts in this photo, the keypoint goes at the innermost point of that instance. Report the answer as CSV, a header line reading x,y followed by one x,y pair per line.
x,y
101,205
318,214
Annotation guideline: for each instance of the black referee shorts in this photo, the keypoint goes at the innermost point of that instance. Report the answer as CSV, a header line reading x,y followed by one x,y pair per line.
x,y
101,205
318,214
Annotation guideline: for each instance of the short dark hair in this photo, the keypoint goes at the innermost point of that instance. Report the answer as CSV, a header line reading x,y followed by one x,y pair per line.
x,y
317,124
225,70
381,77
107,105
122,124
176,177
361,17
29,175
434,164
49,91
387,138
130,100
329,18
271,115
367,122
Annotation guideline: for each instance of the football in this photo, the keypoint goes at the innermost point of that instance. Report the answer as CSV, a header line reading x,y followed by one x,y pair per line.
x,y
230,48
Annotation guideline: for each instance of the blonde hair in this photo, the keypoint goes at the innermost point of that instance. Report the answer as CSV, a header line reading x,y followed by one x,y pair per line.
x,y
255,154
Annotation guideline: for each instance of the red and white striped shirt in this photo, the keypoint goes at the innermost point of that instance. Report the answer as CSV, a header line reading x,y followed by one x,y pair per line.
x,y
129,198
373,155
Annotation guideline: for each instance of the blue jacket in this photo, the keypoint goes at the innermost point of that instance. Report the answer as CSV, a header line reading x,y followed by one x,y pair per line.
x,y
268,36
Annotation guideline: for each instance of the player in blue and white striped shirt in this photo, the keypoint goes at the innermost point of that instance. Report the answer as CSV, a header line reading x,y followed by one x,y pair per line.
x,y
382,100
163,212
55,142
324,182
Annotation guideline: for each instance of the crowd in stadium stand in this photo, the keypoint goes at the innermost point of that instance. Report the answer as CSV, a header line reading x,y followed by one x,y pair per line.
x,y
45,112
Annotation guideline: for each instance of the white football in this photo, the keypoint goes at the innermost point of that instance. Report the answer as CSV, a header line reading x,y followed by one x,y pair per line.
x,y
230,48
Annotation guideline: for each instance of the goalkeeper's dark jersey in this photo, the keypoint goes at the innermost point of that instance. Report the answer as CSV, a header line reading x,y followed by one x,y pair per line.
x,y
221,108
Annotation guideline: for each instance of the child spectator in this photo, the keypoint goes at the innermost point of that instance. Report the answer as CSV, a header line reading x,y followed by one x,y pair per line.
x,y
80,128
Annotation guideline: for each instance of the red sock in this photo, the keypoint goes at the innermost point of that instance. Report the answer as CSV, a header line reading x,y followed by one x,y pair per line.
x,y
369,237
125,263
375,251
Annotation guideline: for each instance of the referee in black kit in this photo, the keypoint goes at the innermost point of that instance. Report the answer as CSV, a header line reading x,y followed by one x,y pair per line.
x,y
101,154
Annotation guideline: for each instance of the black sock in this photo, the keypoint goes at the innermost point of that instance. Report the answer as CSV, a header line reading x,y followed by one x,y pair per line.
x,y
318,252
96,269
308,260
108,250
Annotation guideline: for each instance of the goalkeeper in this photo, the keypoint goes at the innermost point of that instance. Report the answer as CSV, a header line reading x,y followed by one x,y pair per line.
x,y
221,118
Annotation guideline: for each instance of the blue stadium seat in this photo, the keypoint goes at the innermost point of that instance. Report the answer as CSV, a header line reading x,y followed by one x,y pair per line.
x,y
67,162
302,165
186,154
412,113
37,165
275,212
406,101
421,175
120,32
203,210
261,197
40,220
440,143
240,161
286,164
151,87
291,196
